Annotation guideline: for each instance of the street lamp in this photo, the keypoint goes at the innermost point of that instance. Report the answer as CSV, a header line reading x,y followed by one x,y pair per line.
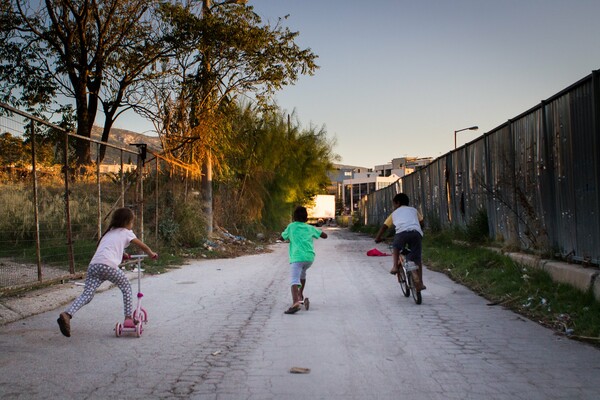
x,y
473,128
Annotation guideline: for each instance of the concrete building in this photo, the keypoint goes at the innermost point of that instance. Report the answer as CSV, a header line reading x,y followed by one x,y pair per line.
x,y
402,166
338,175
360,182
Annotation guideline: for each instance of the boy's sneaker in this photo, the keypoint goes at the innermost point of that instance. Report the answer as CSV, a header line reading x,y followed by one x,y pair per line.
x,y
293,309
64,323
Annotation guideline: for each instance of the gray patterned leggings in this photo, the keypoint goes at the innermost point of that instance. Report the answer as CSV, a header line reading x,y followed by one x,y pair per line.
x,y
96,274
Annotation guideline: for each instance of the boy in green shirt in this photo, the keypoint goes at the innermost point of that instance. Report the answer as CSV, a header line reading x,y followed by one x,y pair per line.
x,y
302,254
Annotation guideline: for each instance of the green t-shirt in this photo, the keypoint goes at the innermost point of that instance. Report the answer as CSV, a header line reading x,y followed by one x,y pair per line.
x,y
301,237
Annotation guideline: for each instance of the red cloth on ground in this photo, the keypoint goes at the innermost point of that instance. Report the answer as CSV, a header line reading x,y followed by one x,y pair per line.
x,y
376,253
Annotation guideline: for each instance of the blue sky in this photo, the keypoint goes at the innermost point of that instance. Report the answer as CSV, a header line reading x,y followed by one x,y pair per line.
x,y
397,77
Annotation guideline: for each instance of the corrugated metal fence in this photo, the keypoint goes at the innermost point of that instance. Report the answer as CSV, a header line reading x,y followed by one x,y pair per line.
x,y
536,177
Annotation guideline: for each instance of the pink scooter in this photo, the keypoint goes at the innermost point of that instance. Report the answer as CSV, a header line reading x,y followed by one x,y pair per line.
x,y
139,314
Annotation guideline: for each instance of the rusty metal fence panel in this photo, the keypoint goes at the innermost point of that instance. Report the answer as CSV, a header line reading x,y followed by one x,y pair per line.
x,y
437,207
527,135
584,171
572,120
51,218
19,215
558,122
536,176
475,196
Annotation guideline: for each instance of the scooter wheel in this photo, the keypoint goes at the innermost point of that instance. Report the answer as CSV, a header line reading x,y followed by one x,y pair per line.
x,y
142,317
139,329
118,329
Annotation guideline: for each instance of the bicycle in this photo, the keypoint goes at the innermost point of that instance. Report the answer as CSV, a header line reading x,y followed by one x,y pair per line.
x,y
408,273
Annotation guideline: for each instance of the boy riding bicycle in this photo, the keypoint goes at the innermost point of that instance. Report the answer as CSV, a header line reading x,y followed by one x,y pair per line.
x,y
408,222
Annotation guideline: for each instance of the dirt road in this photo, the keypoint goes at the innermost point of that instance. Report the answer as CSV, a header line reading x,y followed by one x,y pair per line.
x,y
217,331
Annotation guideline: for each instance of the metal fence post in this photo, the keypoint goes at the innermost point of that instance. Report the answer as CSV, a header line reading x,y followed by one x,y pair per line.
x,y
68,206
140,188
156,214
122,177
99,191
36,211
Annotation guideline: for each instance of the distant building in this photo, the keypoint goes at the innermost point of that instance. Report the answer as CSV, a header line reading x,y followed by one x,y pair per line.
x,y
357,182
362,184
402,166
338,175
116,168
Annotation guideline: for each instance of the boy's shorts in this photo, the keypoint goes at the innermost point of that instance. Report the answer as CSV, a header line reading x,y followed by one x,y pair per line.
x,y
298,271
412,240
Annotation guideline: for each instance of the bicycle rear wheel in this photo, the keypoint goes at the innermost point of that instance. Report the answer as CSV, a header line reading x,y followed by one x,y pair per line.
x,y
403,282
416,294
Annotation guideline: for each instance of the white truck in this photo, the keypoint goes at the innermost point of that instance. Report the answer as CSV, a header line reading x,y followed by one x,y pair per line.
x,y
321,209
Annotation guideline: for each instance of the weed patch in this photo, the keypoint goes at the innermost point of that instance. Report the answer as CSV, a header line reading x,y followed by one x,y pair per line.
x,y
529,292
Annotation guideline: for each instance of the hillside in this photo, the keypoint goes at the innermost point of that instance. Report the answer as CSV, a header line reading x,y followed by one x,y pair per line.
x,y
124,138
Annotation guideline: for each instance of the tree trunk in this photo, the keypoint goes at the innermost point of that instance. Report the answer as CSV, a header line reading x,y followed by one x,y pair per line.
x,y
105,135
207,194
82,147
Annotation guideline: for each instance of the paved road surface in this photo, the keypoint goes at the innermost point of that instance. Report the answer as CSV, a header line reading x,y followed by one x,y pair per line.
x,y
217,331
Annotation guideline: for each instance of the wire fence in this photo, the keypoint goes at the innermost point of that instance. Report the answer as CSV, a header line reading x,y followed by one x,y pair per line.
x,y
536,178
52,212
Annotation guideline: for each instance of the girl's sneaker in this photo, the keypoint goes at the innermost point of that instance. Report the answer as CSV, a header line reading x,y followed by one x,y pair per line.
x,y
64,323
129,323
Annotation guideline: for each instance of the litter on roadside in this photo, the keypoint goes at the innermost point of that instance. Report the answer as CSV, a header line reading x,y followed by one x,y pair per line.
x,y
299,370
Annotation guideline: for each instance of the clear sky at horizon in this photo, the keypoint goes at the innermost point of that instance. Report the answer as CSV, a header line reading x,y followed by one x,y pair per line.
x,y
397,77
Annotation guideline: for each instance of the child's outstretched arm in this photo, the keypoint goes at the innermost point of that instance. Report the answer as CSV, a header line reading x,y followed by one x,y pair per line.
x,y
144,248
382,230
386,224
323,235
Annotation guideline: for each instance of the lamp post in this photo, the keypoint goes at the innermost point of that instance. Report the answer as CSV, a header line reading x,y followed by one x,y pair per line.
x,y
472,128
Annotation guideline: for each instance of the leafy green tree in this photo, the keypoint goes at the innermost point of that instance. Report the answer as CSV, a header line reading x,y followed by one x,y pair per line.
x,y
13,151
92,52
223,50
276,164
